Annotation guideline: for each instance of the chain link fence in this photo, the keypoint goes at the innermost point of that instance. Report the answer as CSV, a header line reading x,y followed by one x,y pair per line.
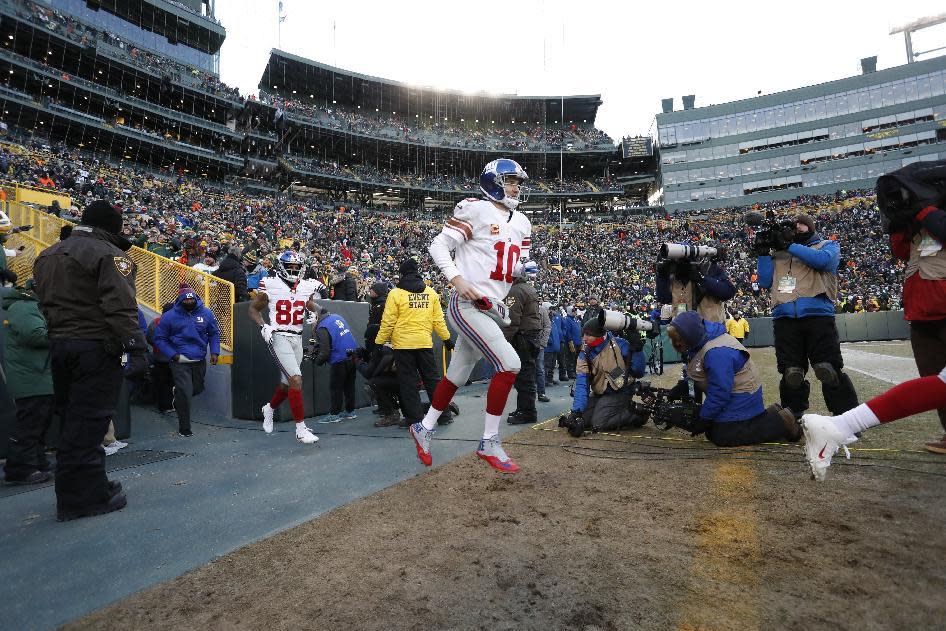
x,y
158,279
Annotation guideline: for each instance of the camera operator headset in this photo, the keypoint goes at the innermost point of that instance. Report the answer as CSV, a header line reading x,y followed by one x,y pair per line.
x,y
912,202
689,278
607,366
802,276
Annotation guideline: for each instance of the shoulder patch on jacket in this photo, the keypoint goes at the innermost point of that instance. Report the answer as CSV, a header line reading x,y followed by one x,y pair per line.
x,y
123,265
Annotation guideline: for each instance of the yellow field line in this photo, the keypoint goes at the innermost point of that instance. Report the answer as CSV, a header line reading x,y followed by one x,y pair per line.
x,y
724,579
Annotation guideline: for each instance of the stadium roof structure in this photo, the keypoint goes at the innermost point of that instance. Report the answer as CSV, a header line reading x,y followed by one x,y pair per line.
x,y
165,18
286,72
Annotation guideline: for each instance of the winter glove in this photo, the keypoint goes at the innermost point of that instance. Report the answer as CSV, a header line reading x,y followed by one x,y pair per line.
x,y
137,365
571,347
267,332
449,344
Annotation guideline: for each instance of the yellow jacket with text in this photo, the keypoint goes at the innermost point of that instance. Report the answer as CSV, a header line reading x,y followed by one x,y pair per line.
x,y
409,318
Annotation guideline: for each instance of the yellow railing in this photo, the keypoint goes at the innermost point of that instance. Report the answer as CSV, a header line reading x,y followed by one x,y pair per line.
x,y
158,280
35,195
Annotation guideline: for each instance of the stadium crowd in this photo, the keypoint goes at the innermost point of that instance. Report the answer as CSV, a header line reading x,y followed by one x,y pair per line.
x,y
443,181
520,137
188,219
509,137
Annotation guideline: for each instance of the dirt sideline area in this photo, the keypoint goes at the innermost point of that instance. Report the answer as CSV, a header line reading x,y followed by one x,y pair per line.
x,y
641,530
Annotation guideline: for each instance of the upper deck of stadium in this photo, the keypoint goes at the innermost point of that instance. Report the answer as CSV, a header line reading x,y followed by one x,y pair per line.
x,y
393,110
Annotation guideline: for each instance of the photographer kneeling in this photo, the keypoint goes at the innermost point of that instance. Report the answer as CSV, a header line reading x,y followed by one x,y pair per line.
x,y
720,366
607,366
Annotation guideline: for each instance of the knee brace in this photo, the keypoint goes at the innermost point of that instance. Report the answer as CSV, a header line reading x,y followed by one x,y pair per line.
x,y
794,377
826,374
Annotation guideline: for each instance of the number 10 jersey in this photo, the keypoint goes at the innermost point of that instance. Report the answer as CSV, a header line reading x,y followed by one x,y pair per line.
x,y
488,244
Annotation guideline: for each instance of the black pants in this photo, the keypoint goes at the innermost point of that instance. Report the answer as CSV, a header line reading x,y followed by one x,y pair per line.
x,y
765,428
814,340
611,411
928,340
87,381
341,383
163,384
527,347
550,359
188,383
387,390
569,361
26,450
411,364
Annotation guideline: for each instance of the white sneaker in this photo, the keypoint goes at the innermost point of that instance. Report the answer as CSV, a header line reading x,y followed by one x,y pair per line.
x,y
822,441
110,449
267,419
305,435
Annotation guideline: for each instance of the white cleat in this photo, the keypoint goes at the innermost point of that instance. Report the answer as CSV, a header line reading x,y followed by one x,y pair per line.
x,y
822,441
267,419
304,434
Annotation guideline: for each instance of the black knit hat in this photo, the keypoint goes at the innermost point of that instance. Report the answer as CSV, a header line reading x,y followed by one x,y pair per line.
x,y
593,327
408,266
101,214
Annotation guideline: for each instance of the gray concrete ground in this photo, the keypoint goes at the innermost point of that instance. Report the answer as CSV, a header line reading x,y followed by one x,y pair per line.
x,y
234,485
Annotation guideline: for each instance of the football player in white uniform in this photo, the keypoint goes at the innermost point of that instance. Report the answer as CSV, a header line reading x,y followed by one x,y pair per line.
x,y
490,238
287,297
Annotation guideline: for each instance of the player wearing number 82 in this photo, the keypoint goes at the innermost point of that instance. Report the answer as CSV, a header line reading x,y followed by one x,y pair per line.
x,y
286,297
489,239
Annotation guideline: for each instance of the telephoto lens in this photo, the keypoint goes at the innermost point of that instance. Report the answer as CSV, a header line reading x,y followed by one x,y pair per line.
x,y
678,251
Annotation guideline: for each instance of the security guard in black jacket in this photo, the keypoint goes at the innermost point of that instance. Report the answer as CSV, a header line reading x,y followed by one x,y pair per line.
x,y
523,334
86,287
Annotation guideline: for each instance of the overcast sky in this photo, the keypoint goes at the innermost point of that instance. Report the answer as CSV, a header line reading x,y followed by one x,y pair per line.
x,y
632,53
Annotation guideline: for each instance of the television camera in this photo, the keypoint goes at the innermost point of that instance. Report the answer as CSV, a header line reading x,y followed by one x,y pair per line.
x,y
772,233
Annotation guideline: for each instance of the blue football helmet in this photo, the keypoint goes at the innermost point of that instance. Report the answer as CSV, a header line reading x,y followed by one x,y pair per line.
x,y
289,267
493,181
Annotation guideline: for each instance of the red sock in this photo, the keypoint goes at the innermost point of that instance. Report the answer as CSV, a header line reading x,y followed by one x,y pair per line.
x,y
296,405
498,392
278,397
443,394
909,398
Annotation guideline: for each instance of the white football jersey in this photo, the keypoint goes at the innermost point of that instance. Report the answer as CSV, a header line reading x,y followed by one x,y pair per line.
x,y
287,303
488,244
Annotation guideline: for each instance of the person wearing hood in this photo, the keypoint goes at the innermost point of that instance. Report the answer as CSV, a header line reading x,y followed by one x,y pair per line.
x,y
607,366
183,336
29,381
412,312
378,295
231,270
86,289
802,277
721,367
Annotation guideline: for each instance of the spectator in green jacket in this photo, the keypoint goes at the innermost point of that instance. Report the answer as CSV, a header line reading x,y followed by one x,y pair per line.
x,y
30,384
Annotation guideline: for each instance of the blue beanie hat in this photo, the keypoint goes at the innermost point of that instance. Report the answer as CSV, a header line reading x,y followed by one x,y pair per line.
x,y
690,326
